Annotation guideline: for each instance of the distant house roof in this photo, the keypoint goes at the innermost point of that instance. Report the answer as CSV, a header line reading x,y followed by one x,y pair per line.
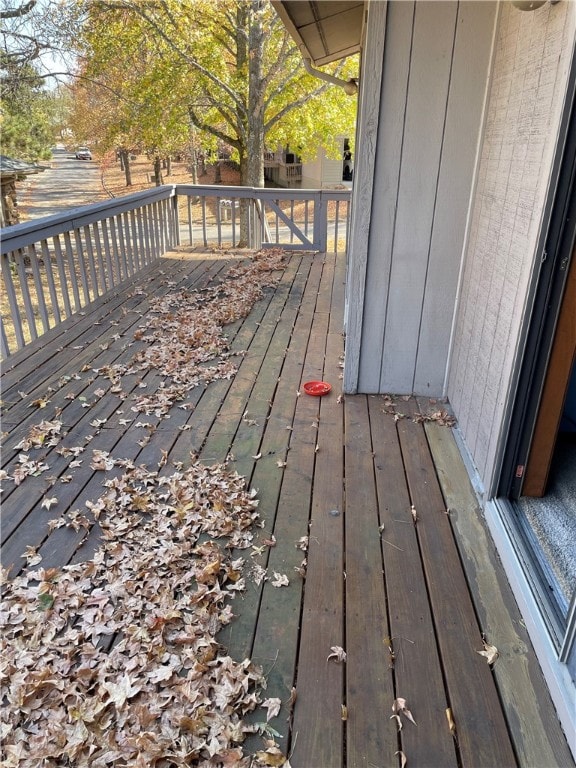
x,y
12,168
325,30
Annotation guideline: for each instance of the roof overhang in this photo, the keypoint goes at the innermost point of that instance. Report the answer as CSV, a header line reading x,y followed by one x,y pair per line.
x,y
325,30
10,168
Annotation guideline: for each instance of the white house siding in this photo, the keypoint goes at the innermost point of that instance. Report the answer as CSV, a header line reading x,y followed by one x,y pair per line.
x,y
312,173
435,70
531,62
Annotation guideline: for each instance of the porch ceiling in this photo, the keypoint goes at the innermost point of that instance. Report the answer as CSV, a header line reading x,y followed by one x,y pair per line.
x,y
325,30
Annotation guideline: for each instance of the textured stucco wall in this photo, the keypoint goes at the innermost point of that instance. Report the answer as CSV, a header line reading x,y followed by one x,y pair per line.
x,y
532,56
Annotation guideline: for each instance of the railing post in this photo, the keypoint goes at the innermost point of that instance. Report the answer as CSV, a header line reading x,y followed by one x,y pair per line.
x,y
175,228
320,232
258,224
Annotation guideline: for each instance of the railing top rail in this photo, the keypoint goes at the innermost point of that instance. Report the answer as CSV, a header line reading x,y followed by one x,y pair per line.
x,y
262,193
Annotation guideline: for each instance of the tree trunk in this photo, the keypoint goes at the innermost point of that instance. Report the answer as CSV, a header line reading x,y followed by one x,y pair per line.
x,y
157,171
194,166
252,161
125,165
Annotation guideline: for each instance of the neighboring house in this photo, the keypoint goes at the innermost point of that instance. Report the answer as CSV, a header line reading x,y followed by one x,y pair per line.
x,y
12,171
285,169
461,275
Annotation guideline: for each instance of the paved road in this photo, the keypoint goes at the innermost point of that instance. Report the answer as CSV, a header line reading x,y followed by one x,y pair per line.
x,y
68,183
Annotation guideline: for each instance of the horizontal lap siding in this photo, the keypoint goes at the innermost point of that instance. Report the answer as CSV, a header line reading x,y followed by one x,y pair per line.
x,y
531,61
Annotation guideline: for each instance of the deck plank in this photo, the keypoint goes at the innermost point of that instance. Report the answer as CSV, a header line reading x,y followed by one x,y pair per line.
x,y
481,731
318,729
417,666
369,683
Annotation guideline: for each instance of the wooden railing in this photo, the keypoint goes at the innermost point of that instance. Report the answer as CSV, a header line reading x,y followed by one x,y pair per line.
x,y
51,268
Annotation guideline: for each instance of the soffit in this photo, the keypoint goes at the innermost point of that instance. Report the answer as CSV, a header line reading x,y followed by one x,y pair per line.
x,y
325,30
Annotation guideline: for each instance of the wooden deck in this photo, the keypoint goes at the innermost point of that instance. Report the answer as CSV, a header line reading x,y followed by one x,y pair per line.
x,y
400,570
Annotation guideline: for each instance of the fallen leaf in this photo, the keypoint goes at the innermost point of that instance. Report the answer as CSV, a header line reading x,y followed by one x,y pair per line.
x,y
399,707
490,652
451,723
403,759
272,756
344,712
47,503
41,402
280,580
338,654
273,707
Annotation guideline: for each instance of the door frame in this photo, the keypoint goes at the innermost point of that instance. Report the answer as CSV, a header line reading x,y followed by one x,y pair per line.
x,y
553,398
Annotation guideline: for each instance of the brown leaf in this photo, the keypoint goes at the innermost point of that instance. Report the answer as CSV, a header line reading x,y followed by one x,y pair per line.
x,y
399,707
272,756
451,723
403,759
490,652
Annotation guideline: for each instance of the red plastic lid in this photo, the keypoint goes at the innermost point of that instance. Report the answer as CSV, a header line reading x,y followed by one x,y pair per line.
x,y
317,387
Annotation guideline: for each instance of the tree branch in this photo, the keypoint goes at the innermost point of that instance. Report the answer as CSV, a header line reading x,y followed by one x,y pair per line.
x,y
14,13
202,126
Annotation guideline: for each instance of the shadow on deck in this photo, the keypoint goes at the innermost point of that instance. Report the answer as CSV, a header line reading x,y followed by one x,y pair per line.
x,y
399,572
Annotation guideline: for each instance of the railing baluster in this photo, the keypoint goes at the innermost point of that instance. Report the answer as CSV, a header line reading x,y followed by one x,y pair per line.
x,y
47,259
38,287
204,222
125,226
115,250
110,274
146,227
121,245
26,298
234,240
134,240
72,271
4,343
218,222
158,231
62,276
91,262
82,266
124,249
190,223
8,264
102,272
276,219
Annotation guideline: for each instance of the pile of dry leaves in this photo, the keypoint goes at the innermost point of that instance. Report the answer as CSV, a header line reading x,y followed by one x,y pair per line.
x,y
184,335
115,662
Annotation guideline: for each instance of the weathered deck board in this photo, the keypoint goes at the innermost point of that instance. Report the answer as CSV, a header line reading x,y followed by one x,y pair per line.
x,y
369,683
416,663
481,730
389,590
